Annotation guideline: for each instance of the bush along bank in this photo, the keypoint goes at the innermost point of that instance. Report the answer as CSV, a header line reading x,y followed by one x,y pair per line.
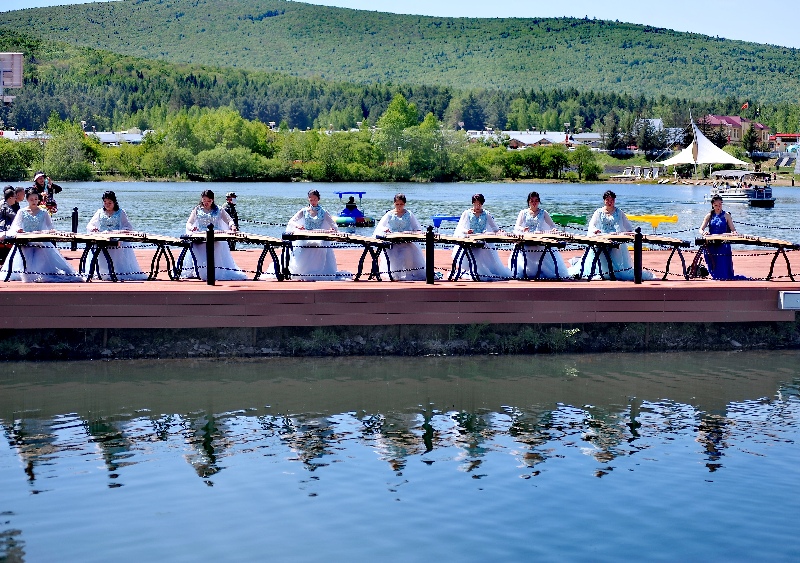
x,y
407,340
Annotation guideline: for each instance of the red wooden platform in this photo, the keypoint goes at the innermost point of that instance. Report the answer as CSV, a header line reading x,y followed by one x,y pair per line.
x,y
194,304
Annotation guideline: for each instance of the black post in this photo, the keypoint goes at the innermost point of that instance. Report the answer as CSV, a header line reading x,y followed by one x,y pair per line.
x,y
74,244
210,266
637,256
429,269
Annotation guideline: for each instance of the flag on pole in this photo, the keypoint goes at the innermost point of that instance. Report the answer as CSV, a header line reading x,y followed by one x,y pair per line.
x,y
746,105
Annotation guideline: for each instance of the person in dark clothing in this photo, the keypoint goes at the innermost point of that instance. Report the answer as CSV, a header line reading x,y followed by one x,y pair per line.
x,y
19,192
230,207
47,191
7,215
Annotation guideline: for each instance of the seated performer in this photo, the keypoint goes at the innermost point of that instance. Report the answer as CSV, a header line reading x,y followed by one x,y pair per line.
x,y
311,259
607,220
43,262
718,256
406,260
110,218
536,220
205,214
474,221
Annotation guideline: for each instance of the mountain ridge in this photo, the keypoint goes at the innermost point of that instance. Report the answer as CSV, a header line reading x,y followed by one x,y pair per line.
x,y
366,47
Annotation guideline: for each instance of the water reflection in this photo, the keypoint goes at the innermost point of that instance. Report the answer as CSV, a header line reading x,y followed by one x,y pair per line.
x,y
622,426
412,424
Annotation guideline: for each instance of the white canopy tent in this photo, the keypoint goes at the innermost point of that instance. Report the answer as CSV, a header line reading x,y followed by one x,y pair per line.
x,y
702,151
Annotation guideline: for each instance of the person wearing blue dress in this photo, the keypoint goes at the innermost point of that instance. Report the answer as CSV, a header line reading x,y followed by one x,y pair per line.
x,y
110,219
205,214
474,221
313,260
718,256
43,262
536,220
406,260
608,219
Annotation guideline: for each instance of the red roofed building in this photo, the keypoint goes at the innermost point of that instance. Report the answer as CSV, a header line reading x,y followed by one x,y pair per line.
x,y
735,127
781,141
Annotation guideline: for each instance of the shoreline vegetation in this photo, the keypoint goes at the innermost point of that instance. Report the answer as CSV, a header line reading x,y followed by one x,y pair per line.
x,y
220,145
403,340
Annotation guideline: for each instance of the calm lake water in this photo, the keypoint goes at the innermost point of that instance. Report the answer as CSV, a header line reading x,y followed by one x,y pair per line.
x,y
615,457
163,207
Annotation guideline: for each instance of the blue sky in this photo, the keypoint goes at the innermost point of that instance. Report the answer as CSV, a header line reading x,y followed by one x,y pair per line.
x,y
734,19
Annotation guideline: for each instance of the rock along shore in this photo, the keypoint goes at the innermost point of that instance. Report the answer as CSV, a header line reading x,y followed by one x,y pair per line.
x,y
406,340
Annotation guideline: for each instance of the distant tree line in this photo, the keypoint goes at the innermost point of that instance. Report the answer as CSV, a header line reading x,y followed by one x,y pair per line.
x,y
219,144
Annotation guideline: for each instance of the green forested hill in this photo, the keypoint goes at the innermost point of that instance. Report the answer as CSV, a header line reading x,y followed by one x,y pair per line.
x,y
112,91
370,47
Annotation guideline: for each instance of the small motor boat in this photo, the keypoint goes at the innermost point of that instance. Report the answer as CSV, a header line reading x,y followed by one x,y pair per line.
x,y
351,215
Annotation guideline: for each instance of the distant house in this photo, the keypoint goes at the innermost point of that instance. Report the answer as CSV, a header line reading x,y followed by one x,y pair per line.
x,y
14,135
591,139
656,123
132,136
735,127
675,136
781,142
522,139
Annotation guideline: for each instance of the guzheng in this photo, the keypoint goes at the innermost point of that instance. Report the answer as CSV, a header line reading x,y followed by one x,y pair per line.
x,y
779,245
737,238
403,237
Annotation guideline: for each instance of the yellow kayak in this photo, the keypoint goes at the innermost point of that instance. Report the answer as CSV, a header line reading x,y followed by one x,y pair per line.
x,y
654,220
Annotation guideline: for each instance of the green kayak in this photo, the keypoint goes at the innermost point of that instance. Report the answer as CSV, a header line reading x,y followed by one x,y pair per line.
x,y
564,219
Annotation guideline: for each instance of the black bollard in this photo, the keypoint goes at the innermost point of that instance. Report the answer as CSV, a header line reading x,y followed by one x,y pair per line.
x,y
429,269
74,244
210,266
637,256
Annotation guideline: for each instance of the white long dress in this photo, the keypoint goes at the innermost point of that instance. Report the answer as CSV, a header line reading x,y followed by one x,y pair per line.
x,y
406,260
621,263
225,267
312,260
126,266
529,256
487,261
43,261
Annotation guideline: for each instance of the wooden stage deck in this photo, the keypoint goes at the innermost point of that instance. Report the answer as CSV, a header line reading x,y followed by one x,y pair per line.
x,y
194,304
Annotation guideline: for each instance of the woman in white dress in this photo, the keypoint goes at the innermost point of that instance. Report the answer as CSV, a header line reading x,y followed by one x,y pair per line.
x,y
205,214
477,220
536,220
406,260
606,220
43,262
110,219
312,259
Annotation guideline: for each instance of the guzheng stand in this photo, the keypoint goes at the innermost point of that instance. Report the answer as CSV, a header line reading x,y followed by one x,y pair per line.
x,y
548,241
780,246
658,240
99,243
371,246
